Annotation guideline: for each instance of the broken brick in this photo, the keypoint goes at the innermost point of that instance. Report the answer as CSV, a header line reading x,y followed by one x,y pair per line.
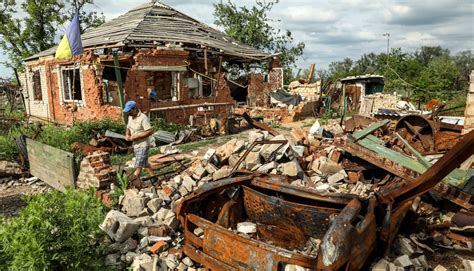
x,y
158,247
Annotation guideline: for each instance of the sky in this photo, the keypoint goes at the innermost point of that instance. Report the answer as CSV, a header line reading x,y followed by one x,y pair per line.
x,y
334,30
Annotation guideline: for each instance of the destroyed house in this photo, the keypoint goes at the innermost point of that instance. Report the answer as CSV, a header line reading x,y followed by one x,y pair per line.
x,y
170,63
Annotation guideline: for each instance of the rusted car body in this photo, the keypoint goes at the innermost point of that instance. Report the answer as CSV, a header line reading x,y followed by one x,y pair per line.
x,y
287,216
346,225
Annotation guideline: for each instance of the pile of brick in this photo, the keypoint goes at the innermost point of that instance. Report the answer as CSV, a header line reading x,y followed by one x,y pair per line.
x,y
372,103
96,171
145,232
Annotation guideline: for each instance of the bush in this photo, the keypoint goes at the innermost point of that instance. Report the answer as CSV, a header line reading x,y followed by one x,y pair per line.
x,y
164,125
54,135
55,231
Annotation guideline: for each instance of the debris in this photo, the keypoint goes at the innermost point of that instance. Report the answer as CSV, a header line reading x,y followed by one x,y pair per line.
x,y
403,261
118,226
290,169
133,204
247,227
8,168
381,265
440,268
96,171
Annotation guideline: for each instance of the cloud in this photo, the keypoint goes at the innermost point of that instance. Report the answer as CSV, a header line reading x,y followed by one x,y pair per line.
x,y
424,12
334,30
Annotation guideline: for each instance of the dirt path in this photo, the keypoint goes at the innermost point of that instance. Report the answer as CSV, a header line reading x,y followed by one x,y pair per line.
x,y
13,191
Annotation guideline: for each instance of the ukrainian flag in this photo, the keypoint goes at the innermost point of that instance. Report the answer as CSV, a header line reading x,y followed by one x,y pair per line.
x,y
71,44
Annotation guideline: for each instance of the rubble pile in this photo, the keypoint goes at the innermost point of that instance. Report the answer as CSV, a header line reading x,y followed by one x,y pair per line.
x,y
96,171
145,232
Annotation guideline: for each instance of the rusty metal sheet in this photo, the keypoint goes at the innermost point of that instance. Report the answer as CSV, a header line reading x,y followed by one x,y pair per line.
x,y
242,253
450,161
270,201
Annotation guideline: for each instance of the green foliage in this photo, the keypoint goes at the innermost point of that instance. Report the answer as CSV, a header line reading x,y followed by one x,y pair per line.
x,y
430,72
122,186
36,24
252,26
55,231
62,138
162,124
54,135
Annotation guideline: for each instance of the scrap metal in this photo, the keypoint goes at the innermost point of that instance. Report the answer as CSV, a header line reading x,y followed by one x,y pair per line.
x,y
349,228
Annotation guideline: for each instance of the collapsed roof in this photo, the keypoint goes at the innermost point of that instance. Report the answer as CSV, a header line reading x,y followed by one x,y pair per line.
x,y
154,24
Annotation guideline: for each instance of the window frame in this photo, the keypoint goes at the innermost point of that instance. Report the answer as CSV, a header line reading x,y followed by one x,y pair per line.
x,y
34,86
62,87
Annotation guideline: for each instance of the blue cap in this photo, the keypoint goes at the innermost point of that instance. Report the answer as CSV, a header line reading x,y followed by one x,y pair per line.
x,y
129,106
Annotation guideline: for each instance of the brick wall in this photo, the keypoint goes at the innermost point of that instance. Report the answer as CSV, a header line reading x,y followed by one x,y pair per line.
x,y
96,171
258,90
469,112
135,88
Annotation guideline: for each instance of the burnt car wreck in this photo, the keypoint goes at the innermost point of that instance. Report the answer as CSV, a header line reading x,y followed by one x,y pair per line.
x,y
288,219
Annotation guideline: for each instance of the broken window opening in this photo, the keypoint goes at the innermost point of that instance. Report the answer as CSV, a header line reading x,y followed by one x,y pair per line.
x,y
37,93
206,85
71,79
110,94
162,86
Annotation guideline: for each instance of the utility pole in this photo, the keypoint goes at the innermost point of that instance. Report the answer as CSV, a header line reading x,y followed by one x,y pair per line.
x,y
388,46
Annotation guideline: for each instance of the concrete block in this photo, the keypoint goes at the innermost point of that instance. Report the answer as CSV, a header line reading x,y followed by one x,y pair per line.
x,y
247,227
188,262
154,205
199,172
118,226
381,265
327,166
209,154
290,169
337,177
239,146
252,159
268,150
224,151
403,261
189,183
145,221
440,268
198,232
223,172
178,179
143,262
133,203
403,245
468,265
128,245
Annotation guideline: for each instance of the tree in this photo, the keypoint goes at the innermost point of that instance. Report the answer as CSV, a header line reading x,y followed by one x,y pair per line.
x,y
427,53
37,30
89,19
438,79
252,26
341,69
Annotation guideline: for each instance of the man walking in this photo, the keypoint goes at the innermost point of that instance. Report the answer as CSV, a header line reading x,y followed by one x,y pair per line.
x,y
138,131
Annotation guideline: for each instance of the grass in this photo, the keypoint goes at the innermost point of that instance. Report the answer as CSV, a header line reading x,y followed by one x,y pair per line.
x,y
120,159
195,145
54,135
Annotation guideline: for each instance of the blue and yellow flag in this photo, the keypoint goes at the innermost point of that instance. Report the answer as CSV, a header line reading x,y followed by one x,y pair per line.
x,y
71,44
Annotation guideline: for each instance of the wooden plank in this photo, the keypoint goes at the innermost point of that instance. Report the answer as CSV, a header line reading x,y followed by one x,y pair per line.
x,y
51,165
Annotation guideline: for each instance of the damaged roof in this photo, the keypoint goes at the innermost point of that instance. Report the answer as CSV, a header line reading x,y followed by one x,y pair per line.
x,y
154,23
